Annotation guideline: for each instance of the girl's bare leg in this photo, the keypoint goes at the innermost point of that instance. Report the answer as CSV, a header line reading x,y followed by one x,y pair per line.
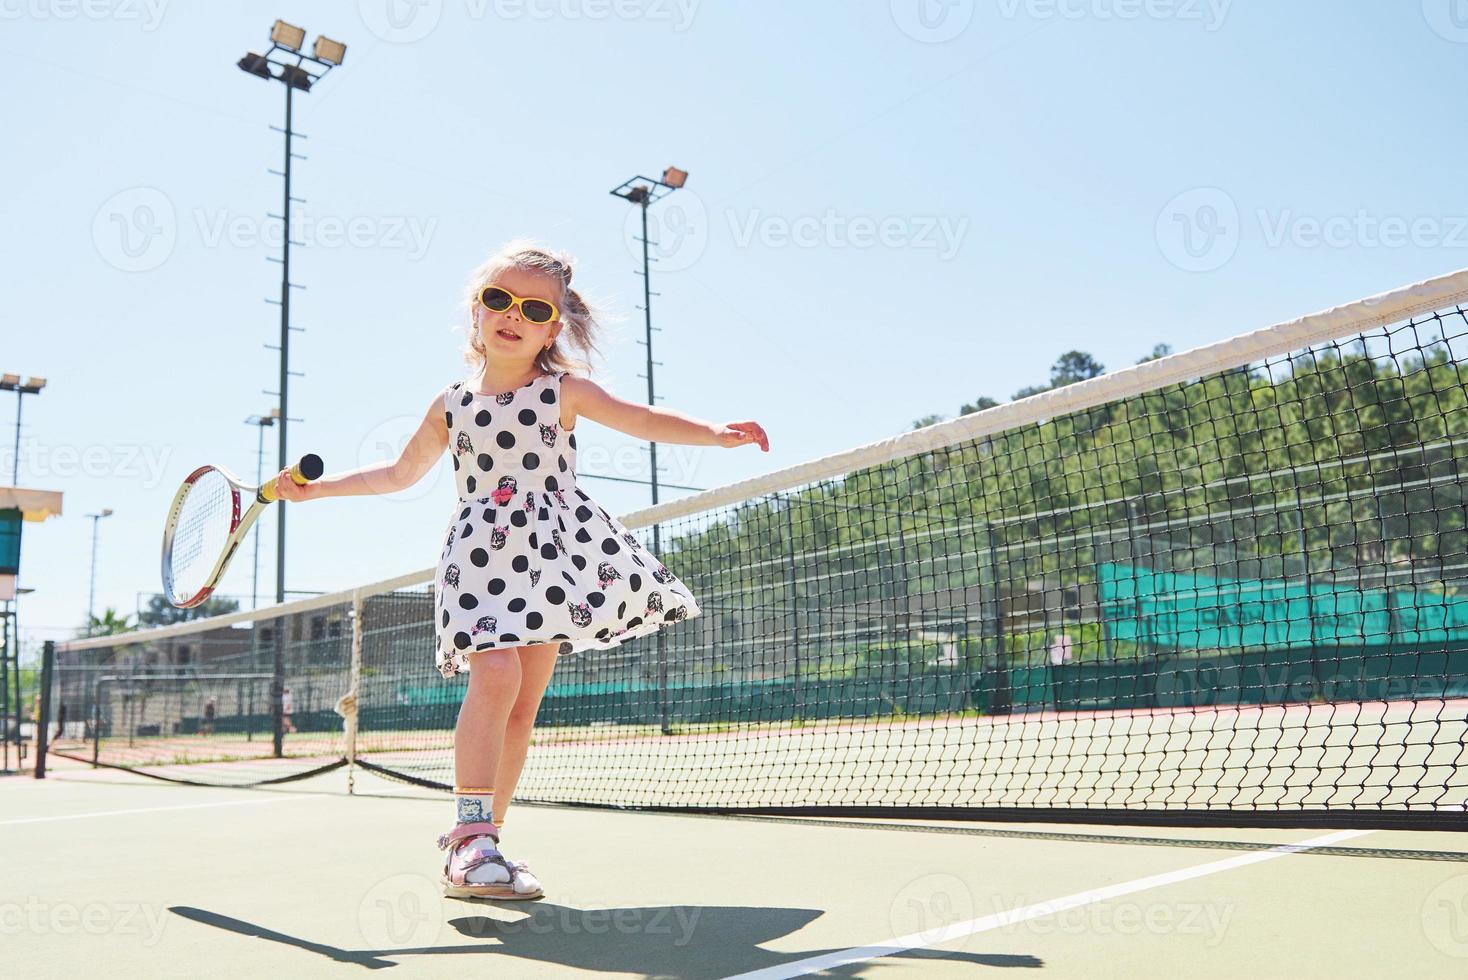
x,y
536,664
479,737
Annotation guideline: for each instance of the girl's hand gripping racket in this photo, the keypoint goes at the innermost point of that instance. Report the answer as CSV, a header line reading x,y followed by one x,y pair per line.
x,y
205,526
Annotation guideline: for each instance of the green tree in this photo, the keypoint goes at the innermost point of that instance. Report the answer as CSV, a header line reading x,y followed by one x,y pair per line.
x,y
1158,351
161,612
978,405
108,624
1073,366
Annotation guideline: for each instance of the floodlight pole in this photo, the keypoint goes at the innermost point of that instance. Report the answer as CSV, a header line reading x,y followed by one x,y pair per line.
x,y
92,585
19,405
277,687
31,386
285,345
642,191
5,620
286,63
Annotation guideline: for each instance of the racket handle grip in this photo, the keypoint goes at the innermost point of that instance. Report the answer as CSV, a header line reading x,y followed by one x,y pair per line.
x,y
309,467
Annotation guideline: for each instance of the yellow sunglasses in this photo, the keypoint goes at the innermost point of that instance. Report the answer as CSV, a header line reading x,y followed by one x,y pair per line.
x,y
498,300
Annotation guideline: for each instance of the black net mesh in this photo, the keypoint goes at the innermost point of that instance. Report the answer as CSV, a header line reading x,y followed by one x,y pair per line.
x,y
1241,597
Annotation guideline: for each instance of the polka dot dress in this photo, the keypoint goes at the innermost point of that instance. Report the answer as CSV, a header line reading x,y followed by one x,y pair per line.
x,y
530,558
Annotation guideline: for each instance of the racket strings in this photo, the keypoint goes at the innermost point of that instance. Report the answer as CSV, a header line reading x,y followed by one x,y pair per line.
x,y
201,533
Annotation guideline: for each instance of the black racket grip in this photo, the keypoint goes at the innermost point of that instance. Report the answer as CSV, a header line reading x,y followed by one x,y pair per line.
x,y
309,467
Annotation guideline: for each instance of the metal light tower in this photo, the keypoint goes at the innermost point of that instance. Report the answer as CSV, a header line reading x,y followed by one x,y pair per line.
x,y
286,63
32,386
10,648
643,191
92,588
261,422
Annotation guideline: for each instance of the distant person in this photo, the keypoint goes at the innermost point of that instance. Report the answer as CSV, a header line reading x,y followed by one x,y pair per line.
x,y
210,708
535,567
287,705
1060,650
60,721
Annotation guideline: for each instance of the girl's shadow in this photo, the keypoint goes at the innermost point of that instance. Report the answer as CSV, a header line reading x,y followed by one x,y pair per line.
x,y
693,941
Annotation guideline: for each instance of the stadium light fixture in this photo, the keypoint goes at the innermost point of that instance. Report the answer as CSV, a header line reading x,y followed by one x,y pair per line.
x,y
255,64
296,77
329,51
288,35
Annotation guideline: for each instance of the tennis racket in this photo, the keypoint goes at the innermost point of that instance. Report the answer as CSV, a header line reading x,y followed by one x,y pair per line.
x,y
205,526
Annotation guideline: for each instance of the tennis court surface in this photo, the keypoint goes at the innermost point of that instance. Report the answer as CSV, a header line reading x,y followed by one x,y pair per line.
x,y
101,870
1161,671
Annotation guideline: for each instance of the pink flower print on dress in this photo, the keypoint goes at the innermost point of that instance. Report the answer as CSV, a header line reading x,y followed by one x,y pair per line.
x,y
505,490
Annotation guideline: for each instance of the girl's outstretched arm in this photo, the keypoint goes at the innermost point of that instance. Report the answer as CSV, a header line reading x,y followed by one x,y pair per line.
x,y
581,397
389,476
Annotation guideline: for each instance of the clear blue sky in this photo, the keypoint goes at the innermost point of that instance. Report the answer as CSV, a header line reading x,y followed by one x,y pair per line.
x,y
894,208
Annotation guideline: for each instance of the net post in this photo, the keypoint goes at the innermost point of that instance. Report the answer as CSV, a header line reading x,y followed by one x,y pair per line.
x,y
43,721
661,644
1001,701
277,686
349,702
96,721
5,642
664,708
794,600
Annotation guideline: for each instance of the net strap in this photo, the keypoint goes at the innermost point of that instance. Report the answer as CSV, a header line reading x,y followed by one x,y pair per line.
x,y
346,705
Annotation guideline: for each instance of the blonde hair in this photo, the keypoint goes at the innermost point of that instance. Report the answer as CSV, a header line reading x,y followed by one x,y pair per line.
x,y
580,322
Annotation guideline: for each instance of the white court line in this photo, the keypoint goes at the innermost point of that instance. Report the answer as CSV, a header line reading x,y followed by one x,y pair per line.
x,y
988,923
156,809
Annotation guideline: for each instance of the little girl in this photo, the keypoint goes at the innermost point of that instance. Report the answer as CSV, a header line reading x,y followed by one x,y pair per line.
x,y
532,566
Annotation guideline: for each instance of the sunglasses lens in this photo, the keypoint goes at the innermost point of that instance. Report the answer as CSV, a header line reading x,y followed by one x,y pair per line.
x,y
496,299
537,311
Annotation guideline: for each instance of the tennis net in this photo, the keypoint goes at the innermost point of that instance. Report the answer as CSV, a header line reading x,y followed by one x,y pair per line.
x,y
1227,585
